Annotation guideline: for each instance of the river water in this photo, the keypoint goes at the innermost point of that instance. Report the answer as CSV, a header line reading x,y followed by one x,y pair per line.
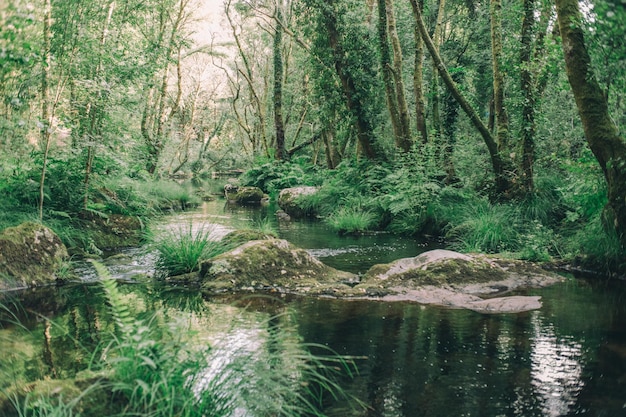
x,y
568,358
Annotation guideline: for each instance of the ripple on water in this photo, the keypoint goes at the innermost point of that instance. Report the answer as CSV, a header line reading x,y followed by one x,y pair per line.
x,y
556,369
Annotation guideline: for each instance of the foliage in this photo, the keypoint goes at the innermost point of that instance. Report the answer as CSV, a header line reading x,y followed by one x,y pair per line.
x,y
484,227
159,364
350,219
180,251
272,177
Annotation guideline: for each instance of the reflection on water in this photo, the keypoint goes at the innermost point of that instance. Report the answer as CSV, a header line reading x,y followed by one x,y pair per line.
x,y
569,358
412,360
556,369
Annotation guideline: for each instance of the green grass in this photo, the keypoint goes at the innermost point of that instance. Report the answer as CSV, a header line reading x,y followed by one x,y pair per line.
x,y
349,220
180,251
486,227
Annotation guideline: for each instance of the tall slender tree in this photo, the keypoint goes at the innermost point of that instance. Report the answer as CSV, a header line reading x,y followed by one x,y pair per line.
x,y
418,76
279,124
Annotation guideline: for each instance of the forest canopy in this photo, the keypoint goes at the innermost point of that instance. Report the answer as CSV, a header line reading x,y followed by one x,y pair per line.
x,y
497,126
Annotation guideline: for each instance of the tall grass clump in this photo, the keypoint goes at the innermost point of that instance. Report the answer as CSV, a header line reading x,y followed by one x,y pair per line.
x,y
486,227
180,251
350,220
154,368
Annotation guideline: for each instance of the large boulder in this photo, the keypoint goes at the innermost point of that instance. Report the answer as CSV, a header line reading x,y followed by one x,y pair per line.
x,y
30,255
456,280
112,231
288,201
274,265
243,195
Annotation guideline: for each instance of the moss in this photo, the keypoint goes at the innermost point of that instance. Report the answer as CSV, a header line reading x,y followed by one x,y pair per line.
x,y
442,272
239,237
266,264
30,255
113,230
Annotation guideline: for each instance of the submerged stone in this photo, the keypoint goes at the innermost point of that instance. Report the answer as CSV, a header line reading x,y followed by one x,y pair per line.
x,y
30,255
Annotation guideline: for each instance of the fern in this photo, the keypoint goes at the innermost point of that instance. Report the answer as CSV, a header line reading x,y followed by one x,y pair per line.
x,y
124,322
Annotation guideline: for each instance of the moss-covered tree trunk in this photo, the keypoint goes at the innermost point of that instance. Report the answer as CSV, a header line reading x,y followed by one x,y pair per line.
x,y
279,126
403,109
418,78
503,183
528,104
387,72
501,116
601,133
354,87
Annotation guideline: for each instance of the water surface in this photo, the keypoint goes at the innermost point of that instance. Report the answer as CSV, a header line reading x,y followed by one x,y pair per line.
x,y
566,359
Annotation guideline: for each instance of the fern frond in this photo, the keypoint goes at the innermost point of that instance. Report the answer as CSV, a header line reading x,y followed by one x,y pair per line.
x,y
119,310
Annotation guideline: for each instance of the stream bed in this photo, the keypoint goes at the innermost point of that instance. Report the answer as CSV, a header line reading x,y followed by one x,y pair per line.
x,y
567,358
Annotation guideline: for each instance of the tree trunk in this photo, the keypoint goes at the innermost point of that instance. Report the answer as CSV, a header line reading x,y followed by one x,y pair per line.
x,y
405,142
501,116
437,35
281,153
97,108
528,104
601,133
385,63
500,168
355,102
418,79
46,119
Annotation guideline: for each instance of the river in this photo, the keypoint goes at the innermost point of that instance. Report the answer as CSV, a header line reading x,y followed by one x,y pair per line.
x,y
567,358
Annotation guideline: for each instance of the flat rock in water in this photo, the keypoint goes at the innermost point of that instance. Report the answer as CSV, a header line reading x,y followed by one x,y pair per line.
x,y
456,280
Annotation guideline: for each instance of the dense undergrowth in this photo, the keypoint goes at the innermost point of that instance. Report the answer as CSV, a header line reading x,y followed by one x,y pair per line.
x,y
561,221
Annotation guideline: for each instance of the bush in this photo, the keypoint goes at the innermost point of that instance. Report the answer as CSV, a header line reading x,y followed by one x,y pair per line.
x,y
274,176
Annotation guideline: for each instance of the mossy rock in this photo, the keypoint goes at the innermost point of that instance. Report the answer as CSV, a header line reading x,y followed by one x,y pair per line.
x,y
88,395
30,255
477,274
272,264
437,267
112,231
288,200
245,195
239,237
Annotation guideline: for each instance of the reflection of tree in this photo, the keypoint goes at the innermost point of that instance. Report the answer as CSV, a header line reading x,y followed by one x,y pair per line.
x,y
433,362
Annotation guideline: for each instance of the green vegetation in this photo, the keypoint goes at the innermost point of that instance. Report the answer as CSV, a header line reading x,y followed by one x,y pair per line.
x,y
156,364
180,251
406,124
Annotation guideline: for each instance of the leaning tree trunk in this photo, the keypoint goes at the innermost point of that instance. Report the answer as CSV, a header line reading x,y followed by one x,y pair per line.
x,y
601,133
500,167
